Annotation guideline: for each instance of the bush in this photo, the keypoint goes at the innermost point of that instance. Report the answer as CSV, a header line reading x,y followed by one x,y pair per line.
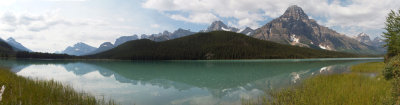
x,y
392,71
392,68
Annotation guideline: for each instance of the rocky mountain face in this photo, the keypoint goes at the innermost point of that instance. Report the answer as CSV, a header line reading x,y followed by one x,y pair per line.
x,y
247,31
220,26
295,28
124,39
363,38
16,45
377,43
79,49
168,35
181,33
160,36
103,47
154,37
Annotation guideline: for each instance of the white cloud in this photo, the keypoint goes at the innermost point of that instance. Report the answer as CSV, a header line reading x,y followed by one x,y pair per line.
x,y
33,23
155,26
7,2
366,14
66,0
196,18
50,32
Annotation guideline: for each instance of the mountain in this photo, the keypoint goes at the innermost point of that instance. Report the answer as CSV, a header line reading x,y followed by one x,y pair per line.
x,y
212,45
5,48
160,36
124,39
247,31
168,35
103,47
181,33
378,42
295,28
155,37
144,36
363,38
220,26
79,49
16,45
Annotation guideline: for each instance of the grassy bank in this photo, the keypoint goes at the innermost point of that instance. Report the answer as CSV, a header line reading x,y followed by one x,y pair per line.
x,y
371,67
20,90
353,88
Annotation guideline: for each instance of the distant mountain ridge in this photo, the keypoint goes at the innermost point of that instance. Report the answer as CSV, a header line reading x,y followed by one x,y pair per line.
x,y
212,45
124,39
365,38
16,45
168,35
103,47
377,42
294,27
221,26
79,49
247,31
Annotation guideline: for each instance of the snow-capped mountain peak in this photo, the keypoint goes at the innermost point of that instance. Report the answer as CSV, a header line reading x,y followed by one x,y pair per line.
x,y
363,38
79,49
220,26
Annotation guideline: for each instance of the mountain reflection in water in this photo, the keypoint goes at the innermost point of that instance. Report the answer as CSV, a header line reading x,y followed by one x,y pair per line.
x,y
179,82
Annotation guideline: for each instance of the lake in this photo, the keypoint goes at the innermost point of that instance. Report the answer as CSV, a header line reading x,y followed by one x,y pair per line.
x,y
187,82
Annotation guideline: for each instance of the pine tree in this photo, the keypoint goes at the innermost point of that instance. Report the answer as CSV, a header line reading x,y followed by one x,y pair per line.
x,y
392,33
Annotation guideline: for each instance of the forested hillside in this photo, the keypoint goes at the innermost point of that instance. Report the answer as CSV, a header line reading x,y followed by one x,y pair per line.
x,y
213,45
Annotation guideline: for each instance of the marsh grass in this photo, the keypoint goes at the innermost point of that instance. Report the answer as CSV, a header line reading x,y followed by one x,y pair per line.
x,y
370,67
20,90
334,89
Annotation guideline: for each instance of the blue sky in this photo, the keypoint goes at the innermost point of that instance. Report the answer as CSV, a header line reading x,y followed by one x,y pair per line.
x,y
53,25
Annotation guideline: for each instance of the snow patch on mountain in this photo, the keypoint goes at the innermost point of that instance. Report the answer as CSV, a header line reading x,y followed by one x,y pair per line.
x,y
325,47
294,39
249,33
225,29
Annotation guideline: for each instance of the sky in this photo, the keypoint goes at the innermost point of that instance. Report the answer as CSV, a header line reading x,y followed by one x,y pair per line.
x,y
53,25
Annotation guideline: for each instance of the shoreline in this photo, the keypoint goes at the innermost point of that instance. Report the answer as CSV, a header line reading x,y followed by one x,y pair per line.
x,y
331,89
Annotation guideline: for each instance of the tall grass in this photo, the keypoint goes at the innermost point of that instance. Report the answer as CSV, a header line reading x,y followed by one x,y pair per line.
x,y
371,67
20,90
335,89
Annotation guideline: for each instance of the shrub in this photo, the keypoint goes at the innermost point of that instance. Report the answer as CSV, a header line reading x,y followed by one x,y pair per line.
x,y
392,68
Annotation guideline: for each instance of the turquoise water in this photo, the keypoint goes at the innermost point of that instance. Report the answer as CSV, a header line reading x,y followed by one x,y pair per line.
x,y
186,82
